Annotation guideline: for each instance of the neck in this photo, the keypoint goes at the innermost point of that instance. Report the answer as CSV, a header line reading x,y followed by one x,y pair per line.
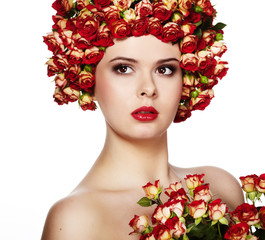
x,y
131,162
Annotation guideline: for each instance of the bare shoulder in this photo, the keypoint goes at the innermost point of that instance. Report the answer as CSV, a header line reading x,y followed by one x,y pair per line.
x,y
73,217
223,185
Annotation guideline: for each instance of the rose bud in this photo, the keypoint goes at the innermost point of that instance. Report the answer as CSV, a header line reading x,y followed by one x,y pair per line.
x,y
246,213
86,102
262,217
152,191
191,81
185,93
179,195
197,208
188,44
217,210
237,232
144,8
139,224
177,18
82,3
202,192
189,62
173,188
208,36
182,114
193,181
161,232
203,3
249,182
220,69
161,214
177,227
260,184
92,55
202,100
218,48
71,93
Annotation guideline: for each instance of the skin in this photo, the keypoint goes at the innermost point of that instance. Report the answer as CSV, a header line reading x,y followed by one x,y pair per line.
x,y
135,72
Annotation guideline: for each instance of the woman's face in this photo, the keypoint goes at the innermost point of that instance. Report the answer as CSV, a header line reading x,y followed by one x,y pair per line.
x,y
139,85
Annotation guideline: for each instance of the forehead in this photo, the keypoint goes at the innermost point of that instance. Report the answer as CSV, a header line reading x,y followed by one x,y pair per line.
x,y
143,47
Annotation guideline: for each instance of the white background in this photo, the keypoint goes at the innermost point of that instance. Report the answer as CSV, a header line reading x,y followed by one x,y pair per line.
x,y
46,149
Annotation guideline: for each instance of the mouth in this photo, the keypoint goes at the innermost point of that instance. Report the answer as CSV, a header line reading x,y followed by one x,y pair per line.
x,y
145,113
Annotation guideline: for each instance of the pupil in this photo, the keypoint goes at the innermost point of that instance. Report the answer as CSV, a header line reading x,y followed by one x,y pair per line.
x,y
162,70
123,69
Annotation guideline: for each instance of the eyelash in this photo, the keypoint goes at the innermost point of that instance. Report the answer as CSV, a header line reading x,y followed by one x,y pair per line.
x,y
119,66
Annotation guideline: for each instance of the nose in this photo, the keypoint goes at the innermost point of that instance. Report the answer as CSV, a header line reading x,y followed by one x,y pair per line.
x,y
147,86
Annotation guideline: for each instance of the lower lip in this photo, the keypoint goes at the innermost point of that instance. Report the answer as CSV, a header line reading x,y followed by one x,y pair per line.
x,y
145,117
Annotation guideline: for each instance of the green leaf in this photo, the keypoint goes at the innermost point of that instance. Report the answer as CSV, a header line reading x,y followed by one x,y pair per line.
x,y
260,233
185,237
223,220
198,32
197,221
206,24
218,26
145,202
214,222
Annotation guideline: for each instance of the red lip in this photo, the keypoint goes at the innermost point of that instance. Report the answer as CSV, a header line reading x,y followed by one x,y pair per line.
x,y
145,114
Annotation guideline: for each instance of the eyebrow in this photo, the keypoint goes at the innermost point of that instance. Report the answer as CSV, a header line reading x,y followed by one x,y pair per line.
x,y
135,61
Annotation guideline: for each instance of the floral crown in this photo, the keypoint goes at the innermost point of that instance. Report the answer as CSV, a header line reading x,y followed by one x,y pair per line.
x,y
83,29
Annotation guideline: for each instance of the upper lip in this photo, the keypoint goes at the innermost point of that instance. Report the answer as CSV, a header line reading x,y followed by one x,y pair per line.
x,y
145,109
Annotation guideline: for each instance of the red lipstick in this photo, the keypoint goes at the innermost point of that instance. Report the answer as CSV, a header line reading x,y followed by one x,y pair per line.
x,y
145,114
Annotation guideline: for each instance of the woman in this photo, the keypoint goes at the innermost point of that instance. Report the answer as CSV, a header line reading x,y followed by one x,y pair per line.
x,y
138,88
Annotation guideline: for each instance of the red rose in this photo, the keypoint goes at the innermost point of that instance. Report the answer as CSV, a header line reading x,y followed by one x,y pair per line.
x,y
189,62
52,68
260,184
54,43
92,55
246,213
249,182
86,102
154,26
262,217
191,81
60,61
237,232
122,4
171,32
103,38
144,8
208,36
161,232
80,4
59,96
206,63
179,195
188,44
161,11
177,228
71,94
60,80
88,28
220,69
120,29
62,6
75,56
139,224
72,72
149,236
81,42
188,29
99,4
203,192
173,188
193,181
111,14
217,210
202,100
86,80
218,48
139,26
197,208
182,114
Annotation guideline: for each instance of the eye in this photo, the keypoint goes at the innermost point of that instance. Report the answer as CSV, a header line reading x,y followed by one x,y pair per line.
x,y
122,69
166,70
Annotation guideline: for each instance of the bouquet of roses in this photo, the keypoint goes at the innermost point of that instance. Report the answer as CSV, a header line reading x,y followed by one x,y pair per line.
x,y
196,215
